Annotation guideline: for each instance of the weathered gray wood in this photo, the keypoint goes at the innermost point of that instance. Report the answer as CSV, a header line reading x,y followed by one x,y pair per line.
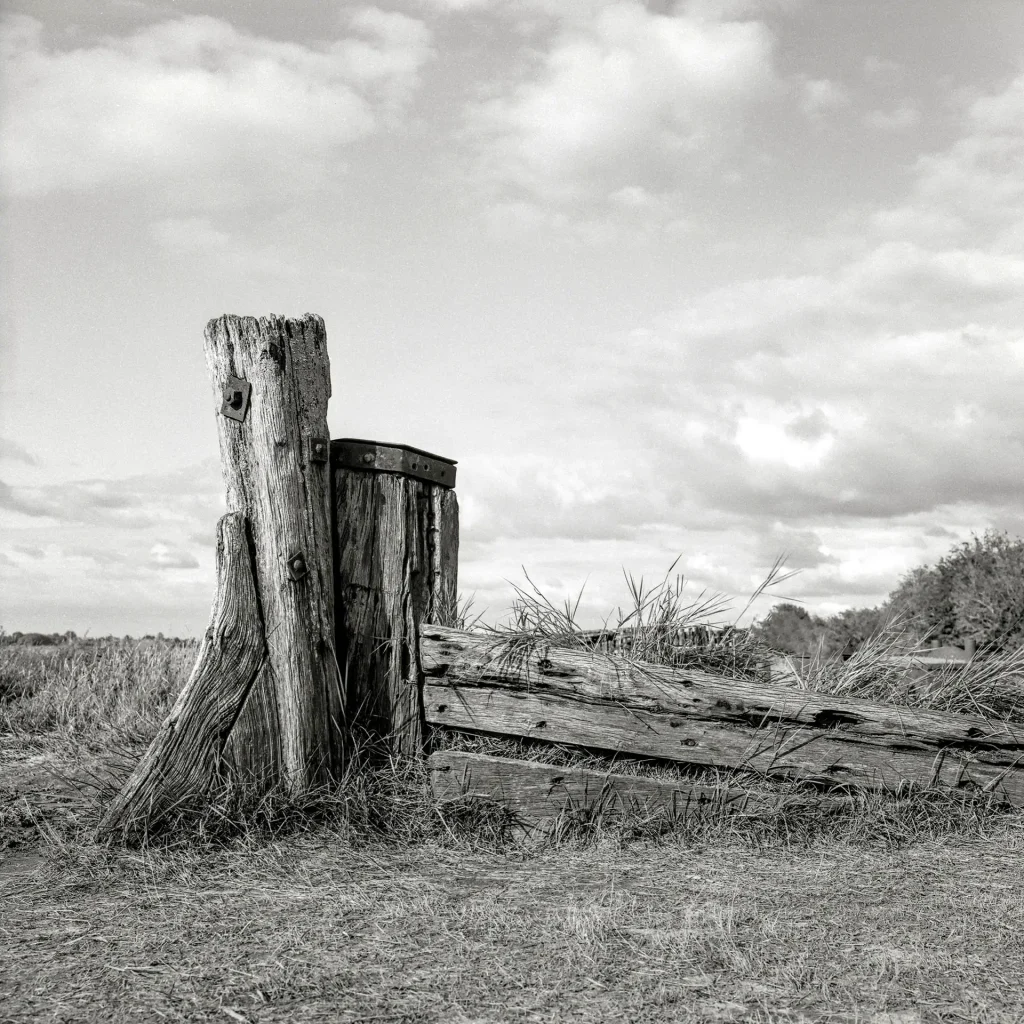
x,y
396,545
289,731
599,701
182,761
536,792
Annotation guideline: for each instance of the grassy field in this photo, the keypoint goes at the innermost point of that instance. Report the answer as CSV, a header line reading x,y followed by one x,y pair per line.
x,y
366,905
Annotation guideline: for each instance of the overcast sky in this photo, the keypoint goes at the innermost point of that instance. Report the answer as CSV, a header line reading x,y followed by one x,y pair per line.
x,y
716,279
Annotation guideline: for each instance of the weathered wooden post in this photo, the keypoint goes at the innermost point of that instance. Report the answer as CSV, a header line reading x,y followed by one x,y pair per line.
x,y
396,566
264,705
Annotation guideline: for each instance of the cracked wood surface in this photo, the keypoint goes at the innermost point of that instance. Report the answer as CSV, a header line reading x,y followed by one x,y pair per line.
x,y
594,700
397,543
536,792
289,730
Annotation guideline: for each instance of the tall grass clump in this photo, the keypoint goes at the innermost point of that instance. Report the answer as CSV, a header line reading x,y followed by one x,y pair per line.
x,y
883,670
91,694
659,625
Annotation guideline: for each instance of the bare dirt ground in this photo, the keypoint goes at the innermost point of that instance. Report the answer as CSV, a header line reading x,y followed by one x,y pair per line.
x,y
319,930
34,791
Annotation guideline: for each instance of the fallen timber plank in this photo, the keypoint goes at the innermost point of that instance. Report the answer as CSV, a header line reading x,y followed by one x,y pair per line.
x,y
594,700
537,792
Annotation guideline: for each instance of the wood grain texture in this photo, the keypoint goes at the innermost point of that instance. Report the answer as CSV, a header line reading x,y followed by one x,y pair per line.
x,y
599,701
183,760
537,792
289,731
396,551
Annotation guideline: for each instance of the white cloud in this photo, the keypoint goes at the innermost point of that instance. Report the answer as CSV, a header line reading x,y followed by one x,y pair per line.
x,y
133,503
884,388
859,406
633,196
391,58
906,115
135,553
821,96
1000,112
907,275
777,436
627,99
197,103
187,236
911,222
452,6
977,180
166,556
633,217
881,69
14,452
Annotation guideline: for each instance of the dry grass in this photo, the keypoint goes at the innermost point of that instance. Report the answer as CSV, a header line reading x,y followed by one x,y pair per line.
x,y
653,628
992,687
94,707
313,929
85,695
366,903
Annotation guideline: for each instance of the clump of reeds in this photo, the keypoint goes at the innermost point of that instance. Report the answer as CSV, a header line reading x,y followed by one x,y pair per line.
x,y
455,611
661,625
884,669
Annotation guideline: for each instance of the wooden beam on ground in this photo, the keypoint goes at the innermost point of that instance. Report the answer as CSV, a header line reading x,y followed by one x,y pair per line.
x,y
537,792
598,701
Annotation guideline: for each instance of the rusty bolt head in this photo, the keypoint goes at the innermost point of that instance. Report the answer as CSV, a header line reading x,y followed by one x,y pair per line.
x,y
368,458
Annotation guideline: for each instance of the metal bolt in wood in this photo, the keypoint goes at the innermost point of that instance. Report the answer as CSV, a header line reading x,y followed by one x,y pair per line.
x,y
235,394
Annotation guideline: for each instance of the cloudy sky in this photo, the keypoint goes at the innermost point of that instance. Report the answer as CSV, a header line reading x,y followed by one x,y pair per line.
x,y
718,280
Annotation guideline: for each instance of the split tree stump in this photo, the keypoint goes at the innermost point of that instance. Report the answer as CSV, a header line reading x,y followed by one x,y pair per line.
x,y
276,464
396,566
264,706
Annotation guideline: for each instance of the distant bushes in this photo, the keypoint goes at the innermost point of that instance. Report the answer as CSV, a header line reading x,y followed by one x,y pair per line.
x,y
975,592
37,639
19,639
790,629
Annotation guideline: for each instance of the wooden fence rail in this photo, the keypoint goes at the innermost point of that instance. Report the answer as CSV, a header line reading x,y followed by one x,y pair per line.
x,y
602,702
534,791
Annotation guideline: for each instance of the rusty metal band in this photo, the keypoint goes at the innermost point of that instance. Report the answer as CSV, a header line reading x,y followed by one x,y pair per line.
x,y
380,457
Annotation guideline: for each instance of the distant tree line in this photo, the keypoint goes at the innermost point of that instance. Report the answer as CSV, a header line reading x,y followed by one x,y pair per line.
x,y
38,639
20,639
791,629
976,592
